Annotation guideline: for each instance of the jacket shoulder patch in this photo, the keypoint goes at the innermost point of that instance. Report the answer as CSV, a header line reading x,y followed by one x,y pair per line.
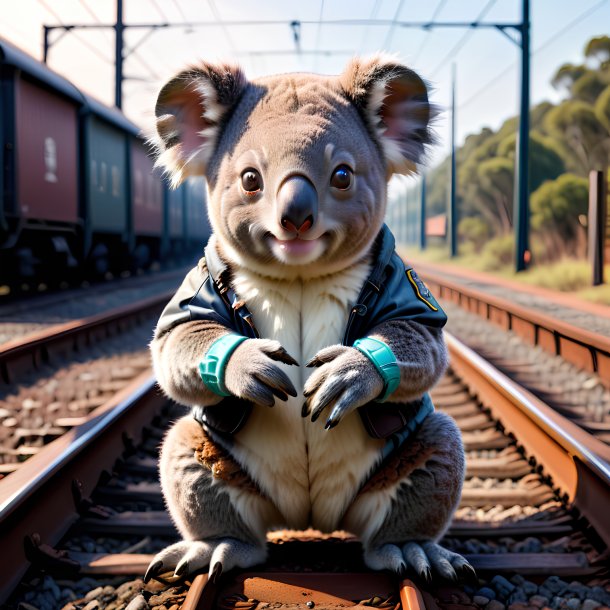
x,y
421,290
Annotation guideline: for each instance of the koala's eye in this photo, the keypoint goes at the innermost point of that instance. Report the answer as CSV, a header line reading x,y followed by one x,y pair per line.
x,y
342,178
251,181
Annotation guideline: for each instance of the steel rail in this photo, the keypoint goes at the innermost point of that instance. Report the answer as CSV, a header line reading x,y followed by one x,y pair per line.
x,y
578,463
37,498
25,353
583,348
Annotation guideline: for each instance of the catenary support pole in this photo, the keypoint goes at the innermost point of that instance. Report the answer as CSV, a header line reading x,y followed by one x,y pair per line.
x,y
598,203
452,213
522,212
118,74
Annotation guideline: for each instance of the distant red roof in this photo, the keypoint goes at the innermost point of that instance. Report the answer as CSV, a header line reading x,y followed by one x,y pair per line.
x,y
436,226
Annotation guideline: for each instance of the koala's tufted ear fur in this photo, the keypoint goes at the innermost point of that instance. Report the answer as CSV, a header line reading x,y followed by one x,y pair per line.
x,y
189,111
393,100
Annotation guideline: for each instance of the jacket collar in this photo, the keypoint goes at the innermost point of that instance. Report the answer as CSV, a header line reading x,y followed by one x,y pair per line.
x,y
383,250
219,269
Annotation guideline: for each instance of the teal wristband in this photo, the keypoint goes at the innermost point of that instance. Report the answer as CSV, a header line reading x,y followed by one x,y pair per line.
x,y
385,362
212,367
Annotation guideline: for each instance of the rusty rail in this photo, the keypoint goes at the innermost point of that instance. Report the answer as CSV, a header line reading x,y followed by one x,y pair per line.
x,y
30,352
305,590
583,348
578,463
37,498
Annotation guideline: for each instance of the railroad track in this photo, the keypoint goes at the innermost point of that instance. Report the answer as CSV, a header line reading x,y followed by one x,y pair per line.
x,y
565,365
59,377
534,505
586,349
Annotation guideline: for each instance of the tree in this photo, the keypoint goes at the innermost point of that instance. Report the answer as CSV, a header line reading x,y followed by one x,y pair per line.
x,y
598,47
546,162
556,207
574,124
602,108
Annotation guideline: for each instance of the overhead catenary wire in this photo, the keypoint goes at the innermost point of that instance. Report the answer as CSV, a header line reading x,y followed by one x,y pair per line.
x,y
99,54
137,55
437,12
463,40
218,18
180,10
558,34
373,15
318,33
388,38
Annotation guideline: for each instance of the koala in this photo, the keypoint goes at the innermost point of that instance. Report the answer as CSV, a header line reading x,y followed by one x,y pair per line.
x,y
301,265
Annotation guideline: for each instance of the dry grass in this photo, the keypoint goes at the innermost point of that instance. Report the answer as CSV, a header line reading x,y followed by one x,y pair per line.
x,y
567,275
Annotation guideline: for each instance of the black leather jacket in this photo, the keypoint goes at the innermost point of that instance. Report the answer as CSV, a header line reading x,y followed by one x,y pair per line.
x,y
391,292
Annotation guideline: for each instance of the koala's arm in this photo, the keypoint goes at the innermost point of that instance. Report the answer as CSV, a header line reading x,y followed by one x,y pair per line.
x,y
421,354
180,343
183,337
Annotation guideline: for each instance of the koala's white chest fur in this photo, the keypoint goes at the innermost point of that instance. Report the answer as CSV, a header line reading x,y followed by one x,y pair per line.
x,y
311,474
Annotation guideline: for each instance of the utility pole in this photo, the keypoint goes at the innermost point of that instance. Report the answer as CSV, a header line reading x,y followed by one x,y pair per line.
x,y
452,216
522,190
118,52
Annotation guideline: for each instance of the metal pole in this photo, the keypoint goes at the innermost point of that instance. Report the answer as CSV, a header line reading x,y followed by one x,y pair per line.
x,y
521,221
452,203
45,47
118,61
598,202
422,214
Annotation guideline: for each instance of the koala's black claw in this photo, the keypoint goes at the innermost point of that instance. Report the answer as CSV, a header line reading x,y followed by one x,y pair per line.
x,y
153,570
426,575
216,572
315,361
315,416
330,423
469,574
182,569
281,395
283,356
305,409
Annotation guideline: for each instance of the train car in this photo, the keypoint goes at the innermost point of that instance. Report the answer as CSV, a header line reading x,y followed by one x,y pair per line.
x,y
175,221
79,194
106,201
39,154
147,206
197,225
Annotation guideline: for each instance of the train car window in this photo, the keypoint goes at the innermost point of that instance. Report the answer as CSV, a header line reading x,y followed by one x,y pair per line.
x,y
50,160
116,181
103,177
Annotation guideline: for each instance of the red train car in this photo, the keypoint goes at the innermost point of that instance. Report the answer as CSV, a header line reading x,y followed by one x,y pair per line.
x,y
79,195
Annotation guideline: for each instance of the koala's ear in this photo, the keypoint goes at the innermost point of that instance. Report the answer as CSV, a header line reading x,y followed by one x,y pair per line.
x,y
189,111
393,100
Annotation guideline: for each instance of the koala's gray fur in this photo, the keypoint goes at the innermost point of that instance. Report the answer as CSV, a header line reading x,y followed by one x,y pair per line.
x,y
300,277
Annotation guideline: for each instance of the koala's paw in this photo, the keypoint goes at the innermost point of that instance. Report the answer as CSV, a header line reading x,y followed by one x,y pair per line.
x,y
221,555
252,374
345,380
423,559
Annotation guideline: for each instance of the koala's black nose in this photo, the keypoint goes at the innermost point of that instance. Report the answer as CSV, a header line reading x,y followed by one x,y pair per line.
x,y
297,204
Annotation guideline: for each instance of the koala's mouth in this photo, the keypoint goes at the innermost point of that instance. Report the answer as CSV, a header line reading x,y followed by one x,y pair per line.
x,y
297,249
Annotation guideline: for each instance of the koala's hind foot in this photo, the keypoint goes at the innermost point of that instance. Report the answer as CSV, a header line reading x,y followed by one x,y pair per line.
x,y
188,556
406,506
423,559
216,507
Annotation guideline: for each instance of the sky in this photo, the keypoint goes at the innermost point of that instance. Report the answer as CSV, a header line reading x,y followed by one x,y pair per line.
x,y
487,62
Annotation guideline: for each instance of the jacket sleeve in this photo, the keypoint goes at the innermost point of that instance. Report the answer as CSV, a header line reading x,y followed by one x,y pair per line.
x,y
421,354
180,341
411,324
